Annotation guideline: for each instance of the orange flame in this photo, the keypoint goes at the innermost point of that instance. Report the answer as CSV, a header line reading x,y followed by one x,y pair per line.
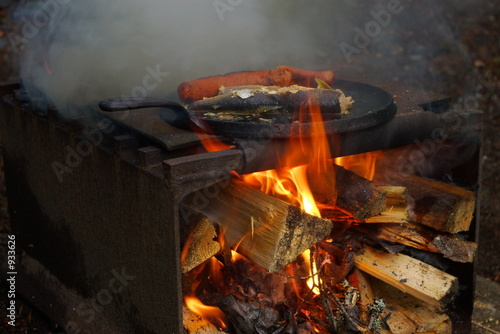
x,y
212,143
310,163
288,184
363,164
313,282
291,184
235,256
215,269
212,313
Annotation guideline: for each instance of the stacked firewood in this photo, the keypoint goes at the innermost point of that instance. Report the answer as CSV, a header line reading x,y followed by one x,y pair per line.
x,y
364,279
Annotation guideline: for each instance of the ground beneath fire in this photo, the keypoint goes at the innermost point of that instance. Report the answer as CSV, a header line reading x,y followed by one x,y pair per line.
x,y
476,26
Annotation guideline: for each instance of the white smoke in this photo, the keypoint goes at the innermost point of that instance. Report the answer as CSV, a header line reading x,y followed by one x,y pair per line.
x,y
99,49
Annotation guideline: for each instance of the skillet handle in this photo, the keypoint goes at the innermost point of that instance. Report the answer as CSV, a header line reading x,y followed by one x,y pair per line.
x,y
176,114
128,103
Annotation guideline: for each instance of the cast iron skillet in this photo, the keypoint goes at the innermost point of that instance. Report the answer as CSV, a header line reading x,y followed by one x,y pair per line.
x,y
372,106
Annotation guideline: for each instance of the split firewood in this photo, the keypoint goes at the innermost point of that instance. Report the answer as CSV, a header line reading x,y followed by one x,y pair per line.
x,y
437,204
199,246
358,195
406,314
350,192
266,230
366,296
396,206
425,238
410,275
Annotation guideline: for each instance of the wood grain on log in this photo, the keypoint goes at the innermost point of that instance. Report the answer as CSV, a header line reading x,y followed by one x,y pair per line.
x,y
266,230
406,314
410,275
397,210
350,192
425,238
437,204
200,245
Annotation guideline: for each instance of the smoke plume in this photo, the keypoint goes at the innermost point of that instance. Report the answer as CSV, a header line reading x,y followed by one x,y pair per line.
x,y
76,53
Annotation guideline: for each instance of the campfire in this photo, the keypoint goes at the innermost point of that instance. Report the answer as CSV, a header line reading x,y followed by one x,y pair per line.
x,y
337,197
323,246
324,242
280,225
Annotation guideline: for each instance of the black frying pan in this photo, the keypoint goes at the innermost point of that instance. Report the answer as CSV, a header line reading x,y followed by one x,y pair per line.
x,y
372,106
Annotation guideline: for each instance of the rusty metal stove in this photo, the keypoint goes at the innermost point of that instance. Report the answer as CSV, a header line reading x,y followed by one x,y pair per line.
x,y
94,201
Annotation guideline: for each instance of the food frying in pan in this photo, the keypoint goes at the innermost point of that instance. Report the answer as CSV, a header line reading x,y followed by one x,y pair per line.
x,y
273,103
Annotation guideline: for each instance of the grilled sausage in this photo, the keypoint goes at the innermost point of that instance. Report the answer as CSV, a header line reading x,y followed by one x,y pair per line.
x,y
190,91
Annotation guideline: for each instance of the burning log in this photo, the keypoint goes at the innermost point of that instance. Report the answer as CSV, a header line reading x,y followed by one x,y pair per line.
x,y
350,192
412,276
199,246
438,205
425,238
358,195
266,230
396,206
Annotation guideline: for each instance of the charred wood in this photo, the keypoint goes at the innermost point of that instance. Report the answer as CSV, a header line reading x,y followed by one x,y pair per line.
x,y
248,318
425,238
350,192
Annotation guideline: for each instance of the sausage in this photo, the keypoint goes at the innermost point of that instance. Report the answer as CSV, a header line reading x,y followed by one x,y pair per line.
x,y
190,91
